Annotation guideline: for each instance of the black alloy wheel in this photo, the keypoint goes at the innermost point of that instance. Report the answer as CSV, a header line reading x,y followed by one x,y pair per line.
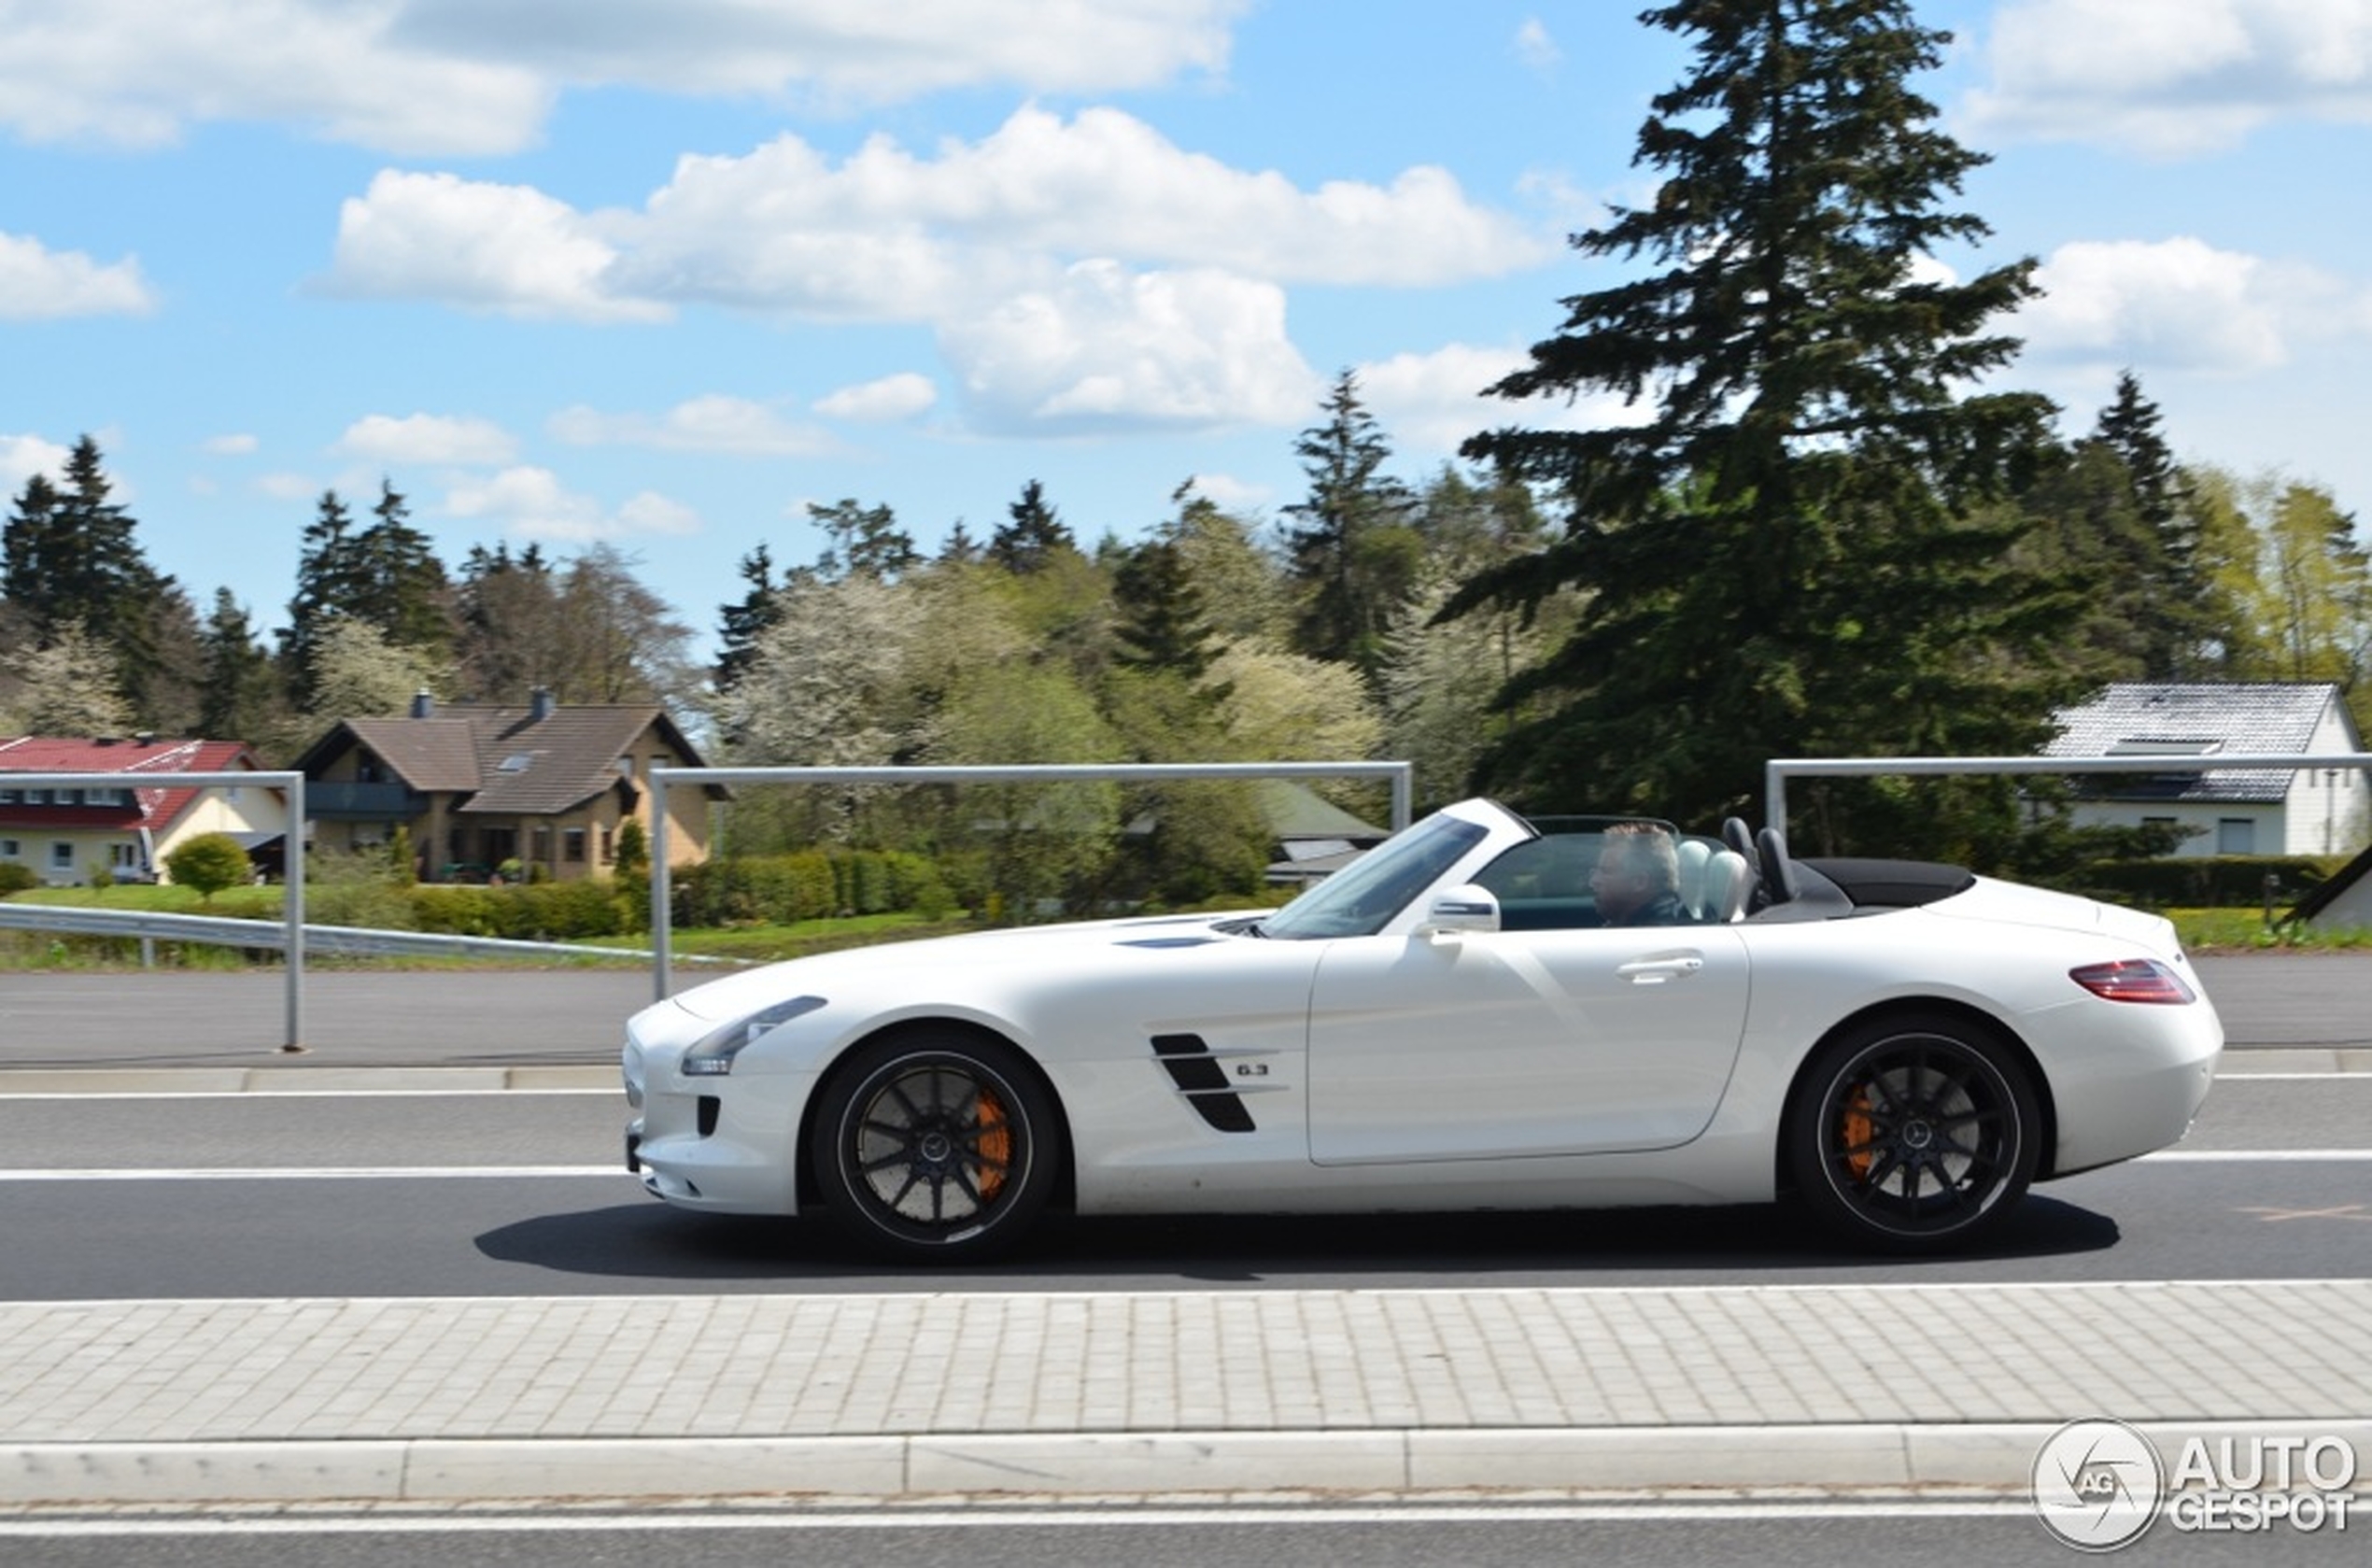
x,y
1915,1133
934,1146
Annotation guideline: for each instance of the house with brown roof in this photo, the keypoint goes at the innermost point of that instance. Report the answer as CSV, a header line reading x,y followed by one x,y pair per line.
x,y
488,790
68,833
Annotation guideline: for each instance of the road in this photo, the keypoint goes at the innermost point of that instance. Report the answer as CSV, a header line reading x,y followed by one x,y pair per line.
x,y
328,1194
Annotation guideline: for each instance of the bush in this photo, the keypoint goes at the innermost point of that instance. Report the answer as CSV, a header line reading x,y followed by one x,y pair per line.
x,y
17,877
208,863
2209,882
809,884
527,913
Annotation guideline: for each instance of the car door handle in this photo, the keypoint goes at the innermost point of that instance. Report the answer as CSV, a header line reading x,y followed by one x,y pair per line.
x,y
1656,971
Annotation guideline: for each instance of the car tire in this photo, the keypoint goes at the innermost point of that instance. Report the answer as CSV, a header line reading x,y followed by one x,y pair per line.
x,y
1915,1132
934,1145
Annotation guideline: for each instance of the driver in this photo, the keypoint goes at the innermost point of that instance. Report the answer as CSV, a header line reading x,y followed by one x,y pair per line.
x,y
1637,882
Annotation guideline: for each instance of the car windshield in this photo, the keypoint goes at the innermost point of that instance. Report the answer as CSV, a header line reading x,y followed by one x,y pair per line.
x,y
1358,899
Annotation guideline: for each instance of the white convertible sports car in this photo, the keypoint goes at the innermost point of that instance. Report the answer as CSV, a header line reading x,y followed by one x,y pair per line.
x,y
1452,1023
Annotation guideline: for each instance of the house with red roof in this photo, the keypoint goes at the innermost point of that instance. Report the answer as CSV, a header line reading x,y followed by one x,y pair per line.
x,y
69,834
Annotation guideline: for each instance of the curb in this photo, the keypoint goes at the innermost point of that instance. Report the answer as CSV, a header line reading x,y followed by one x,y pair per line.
x,y
1996,1458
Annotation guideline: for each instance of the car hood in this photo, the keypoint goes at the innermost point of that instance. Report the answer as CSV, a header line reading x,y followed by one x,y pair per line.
x,y
737,995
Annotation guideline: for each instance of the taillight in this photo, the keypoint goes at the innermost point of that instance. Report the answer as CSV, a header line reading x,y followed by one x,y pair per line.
x,y
2133,979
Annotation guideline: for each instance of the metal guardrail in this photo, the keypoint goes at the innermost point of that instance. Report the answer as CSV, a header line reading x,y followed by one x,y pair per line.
x,y
271,936
292,896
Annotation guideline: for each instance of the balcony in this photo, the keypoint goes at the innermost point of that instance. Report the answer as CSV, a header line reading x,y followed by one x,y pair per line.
x,y
362,802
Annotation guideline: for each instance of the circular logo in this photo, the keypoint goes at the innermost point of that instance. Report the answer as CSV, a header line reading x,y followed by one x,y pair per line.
x,y
2097,1484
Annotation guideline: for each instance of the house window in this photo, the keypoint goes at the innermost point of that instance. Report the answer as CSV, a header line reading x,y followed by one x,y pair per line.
x,y
609,845
11,797
10,849
572,845
62,855
124,857
2236,835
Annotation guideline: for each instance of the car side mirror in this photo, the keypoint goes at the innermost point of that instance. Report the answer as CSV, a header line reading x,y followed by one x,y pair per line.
x,y
1466,908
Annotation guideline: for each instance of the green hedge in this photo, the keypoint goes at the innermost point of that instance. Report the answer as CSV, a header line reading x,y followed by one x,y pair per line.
x,y
539,911
2209,882
809,884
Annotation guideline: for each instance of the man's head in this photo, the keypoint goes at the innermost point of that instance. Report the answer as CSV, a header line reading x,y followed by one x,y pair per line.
x,y
1637,864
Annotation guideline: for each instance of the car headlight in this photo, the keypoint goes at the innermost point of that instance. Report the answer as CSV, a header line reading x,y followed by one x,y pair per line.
x,y
711,1055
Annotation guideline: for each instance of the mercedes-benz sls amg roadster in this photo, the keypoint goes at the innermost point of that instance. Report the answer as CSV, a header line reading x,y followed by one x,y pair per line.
x,y
1484,1012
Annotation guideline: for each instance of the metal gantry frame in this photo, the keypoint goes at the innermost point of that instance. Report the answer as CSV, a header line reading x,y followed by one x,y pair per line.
x,y
293,912
1777,773
1402,776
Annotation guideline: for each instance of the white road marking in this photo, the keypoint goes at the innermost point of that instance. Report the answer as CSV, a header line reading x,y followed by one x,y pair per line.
x,y
1024,1516
321,1173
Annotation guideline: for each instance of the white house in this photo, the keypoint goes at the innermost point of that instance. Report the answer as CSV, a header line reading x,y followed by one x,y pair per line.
x,y
67,835
2305,810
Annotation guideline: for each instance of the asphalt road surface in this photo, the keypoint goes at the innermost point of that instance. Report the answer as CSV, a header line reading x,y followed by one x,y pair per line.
x,y
504,1018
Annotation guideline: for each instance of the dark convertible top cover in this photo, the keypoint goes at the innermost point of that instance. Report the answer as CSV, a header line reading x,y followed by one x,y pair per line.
x,y
1894,884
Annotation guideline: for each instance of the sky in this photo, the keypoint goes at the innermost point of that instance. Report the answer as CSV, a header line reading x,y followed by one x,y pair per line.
x,y
658,274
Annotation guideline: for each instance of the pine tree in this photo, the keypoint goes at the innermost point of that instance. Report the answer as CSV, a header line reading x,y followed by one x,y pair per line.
x,y
862,541
1031,536
1352,554
1784,557
2171,619
745,622
403,590
329,578
1162,624
237,697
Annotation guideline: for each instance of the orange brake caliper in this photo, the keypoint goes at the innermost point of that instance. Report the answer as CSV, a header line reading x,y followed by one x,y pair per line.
x,y
993,1145
1855,1132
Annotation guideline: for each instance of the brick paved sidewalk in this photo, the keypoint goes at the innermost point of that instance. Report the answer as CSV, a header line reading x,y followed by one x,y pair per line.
x,y
1813,1386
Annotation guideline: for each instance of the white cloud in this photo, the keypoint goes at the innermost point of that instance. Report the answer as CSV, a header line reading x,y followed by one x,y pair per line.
x,y
21,457
37,283
428,438
648,511
886,235
235,444
2173,78
2176,304
136,73
848,50
1087,270
289,486
882,401
1107,348
1431,402
1535,46
461,76
506,248
705,424
783,229
531,503
1231,494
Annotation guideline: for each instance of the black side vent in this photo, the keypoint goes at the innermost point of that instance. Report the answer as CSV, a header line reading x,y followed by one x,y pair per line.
x,y
1200,1077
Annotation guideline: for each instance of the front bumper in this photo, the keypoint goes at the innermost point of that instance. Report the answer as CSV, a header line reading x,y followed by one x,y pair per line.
x,y
724,1145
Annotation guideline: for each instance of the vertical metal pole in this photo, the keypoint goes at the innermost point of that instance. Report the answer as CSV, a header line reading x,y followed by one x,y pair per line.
x,y
662,899
1403,789
1775,796
293,908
